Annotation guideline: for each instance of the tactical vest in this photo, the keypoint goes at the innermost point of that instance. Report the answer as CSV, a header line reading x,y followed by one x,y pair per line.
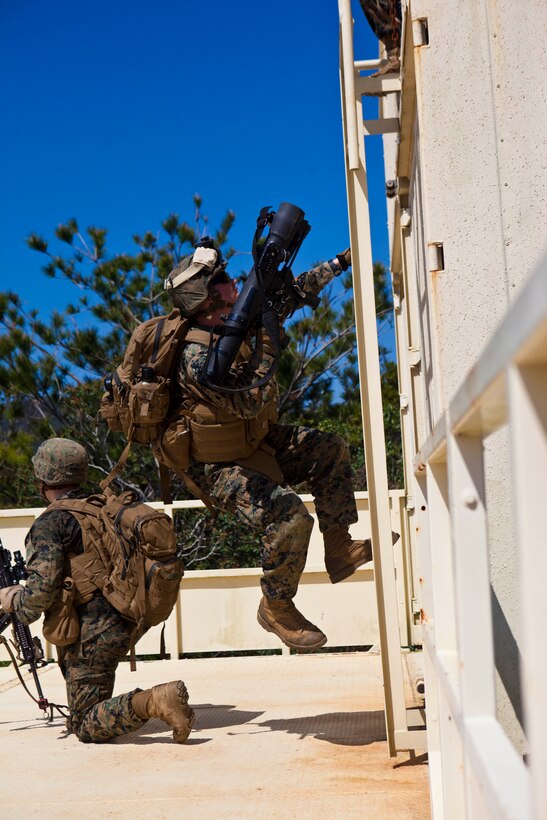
x,y
215,435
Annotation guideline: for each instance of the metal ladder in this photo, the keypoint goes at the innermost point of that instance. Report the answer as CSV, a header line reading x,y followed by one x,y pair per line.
x,y
405,728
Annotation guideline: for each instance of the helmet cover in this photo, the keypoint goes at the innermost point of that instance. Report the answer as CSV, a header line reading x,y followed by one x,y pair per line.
x,y
60,462
188,283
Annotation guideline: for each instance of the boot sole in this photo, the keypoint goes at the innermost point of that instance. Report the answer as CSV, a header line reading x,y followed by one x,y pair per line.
x,y
348,570
182,737
297,647
342,574
178,736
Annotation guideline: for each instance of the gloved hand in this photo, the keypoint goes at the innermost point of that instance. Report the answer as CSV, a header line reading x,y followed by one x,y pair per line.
x,y
344,258
7,594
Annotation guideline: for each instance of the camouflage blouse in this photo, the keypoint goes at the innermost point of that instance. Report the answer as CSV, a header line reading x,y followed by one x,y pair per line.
x,y
53,535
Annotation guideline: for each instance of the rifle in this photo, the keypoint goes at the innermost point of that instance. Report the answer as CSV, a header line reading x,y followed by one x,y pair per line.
x,y
29,649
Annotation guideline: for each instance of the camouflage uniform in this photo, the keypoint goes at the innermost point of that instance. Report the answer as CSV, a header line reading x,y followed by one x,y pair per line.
x,y
384,18
304,454
89,665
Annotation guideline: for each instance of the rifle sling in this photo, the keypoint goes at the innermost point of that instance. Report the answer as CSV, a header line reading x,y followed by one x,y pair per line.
x,y
45,704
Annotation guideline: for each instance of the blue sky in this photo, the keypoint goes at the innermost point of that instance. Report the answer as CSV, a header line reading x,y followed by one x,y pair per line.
x,y
117,113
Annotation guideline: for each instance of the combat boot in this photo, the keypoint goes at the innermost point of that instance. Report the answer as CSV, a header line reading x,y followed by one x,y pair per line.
x,y
284,620
343,555
168,701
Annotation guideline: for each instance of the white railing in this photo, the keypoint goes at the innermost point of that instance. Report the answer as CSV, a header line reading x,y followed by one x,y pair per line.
x,y
216,611
475,769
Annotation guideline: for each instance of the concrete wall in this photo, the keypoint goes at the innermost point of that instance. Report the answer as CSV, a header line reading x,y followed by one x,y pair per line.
x,y
473,146
482,122
216,610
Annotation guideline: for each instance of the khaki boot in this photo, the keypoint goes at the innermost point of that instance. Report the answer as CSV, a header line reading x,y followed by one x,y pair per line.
x,y
284,620
168,701
343,555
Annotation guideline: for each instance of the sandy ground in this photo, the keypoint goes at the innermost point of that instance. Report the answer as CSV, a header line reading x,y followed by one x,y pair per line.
x,y
275,737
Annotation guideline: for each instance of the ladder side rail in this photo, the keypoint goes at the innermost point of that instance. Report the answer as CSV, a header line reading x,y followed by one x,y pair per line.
x,y
371,398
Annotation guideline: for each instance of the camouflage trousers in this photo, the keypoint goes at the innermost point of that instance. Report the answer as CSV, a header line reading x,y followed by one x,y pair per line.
x,y
304,455
89,668
384,18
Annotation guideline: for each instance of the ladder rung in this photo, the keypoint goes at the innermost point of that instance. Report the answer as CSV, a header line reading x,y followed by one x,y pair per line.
x,y
383,125
377,86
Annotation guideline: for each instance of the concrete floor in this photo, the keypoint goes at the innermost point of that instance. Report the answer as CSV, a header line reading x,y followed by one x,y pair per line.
x,y
275,737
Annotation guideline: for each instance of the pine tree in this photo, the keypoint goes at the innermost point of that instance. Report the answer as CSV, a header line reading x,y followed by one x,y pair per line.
x,y
51,371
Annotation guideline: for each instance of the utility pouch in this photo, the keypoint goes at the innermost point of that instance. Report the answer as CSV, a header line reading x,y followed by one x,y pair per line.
x,y
173,446
135,523
108,411
149,402
88,574
162,587
61,625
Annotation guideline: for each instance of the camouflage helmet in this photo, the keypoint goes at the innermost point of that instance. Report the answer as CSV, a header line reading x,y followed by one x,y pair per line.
x,y
60,462
188,283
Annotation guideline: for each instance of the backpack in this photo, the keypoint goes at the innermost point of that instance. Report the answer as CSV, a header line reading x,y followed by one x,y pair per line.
x,y
138,395
130,555
138,400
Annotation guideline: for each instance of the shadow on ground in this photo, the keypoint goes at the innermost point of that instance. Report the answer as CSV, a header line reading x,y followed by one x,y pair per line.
x,y
342,728
208,716
413,760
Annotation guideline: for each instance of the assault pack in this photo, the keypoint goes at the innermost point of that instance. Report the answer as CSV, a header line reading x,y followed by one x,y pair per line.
x,y
130,555
139,399
138,394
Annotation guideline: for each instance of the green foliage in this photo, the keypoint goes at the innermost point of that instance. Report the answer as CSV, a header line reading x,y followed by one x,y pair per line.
x,y
392,425
51,370
216,541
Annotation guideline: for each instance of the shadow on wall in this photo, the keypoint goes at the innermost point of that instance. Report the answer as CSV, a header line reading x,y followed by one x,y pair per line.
x,y
507,657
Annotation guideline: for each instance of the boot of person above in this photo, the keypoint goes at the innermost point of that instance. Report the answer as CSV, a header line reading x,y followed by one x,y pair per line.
x,y
392,63
343,555
169,702
283,619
